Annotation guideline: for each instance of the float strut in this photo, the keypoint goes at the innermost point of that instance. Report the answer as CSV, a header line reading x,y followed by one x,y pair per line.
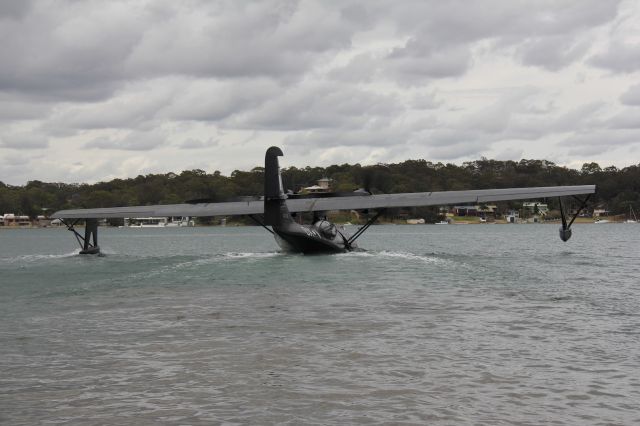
x,y
88,242
364,228
261,223
90,237
565,230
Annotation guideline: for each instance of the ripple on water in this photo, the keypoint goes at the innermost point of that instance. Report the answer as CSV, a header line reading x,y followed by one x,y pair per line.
x,y
499,326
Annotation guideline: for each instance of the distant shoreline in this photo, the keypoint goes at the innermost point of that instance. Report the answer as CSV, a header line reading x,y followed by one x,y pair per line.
x,y
579,220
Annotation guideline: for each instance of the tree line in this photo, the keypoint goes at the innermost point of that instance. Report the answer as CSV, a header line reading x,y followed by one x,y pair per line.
x,y
617,188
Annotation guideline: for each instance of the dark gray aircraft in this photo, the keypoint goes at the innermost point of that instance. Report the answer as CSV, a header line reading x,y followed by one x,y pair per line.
x,y
321,236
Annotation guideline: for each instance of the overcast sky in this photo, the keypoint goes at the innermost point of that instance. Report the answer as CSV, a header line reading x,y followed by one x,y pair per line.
x,y
91,91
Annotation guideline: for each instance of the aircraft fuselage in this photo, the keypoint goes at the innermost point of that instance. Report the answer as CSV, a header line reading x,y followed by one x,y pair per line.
x,y
321,237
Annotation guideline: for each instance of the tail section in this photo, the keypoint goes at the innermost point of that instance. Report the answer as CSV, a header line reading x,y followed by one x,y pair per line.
x,y
275,209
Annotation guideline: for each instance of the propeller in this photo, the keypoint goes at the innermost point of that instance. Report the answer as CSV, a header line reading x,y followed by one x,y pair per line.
x,y
367,176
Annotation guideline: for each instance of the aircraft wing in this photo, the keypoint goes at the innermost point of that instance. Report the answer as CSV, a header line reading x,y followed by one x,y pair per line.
x,y
420,199
165,210
412,199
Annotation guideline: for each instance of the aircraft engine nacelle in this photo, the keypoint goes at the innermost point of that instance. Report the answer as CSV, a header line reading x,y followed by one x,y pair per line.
x,y
565,234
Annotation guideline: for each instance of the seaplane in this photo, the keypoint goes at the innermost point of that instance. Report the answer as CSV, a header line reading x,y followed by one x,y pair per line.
x,y
277,211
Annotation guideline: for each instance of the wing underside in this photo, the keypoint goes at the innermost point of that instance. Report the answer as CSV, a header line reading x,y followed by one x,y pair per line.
x,y
414,199
236,208
420,199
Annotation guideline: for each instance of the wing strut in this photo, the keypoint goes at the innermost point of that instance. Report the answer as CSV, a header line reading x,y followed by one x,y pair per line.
x,y
565,230
259,222
88,243
364,228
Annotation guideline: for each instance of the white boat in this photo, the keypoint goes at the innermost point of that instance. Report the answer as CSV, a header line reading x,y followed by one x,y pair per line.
x,y
157,222
415,221
145,222
176,221
632,214
442,222
601,221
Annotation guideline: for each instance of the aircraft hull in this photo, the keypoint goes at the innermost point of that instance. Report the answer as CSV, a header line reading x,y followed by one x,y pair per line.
x,y
92,250
302,242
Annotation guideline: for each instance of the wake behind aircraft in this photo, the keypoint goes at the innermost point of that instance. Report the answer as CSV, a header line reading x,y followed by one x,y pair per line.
x,y
276,210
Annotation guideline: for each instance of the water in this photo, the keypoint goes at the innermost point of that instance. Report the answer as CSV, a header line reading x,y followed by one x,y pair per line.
x,y
485,324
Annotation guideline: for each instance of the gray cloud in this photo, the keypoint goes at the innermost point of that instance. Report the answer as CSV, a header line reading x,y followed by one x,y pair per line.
x,y
601,141
422,59
628,119
553,52
192,143
215,100
14,9
456,22
619,57
364,80
512,153
15,107
374,134
133,141
69,52
425,101
457,150
75,50
25,141
14,160
581,117
631,96
146,105
136,108
320,105
362,68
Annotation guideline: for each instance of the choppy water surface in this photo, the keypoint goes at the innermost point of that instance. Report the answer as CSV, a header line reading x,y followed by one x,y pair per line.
x,y
485,324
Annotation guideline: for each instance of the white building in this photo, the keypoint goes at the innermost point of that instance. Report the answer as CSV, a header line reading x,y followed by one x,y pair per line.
x,y
10,219
513,216
322,186
531,207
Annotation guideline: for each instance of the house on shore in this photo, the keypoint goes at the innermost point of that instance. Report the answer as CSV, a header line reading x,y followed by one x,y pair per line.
x,y
483,211
322,186
601,211
513,216
10,219
535,208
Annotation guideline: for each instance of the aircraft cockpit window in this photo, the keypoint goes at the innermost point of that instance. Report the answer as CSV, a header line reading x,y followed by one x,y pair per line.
x,y
327,229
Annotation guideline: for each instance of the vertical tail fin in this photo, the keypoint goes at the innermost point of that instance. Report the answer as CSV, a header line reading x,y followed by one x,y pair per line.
x,y
275,209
